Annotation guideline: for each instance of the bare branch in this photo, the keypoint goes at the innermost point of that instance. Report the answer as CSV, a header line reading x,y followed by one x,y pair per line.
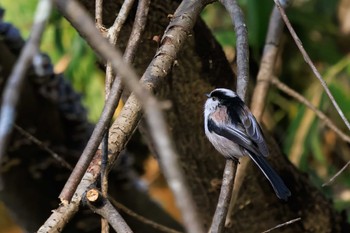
x,y
14,84
224,198
98,12
137,30
141,218
42,145
336,175
283,87
113,34
311,64
241,45
187,10
101,205
104,178
114,30
282,225
242,84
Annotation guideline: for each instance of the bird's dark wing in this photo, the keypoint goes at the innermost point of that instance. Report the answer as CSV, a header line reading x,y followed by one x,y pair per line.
x,y
234,134
253,130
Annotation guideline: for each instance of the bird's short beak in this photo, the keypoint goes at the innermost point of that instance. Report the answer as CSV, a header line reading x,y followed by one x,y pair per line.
x,y
207,95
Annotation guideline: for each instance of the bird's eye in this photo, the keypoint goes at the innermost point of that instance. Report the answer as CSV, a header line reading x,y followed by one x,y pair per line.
x,y
214,98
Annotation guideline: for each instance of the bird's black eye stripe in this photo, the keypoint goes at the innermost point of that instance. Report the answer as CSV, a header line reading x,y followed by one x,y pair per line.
x,y
218,95
221,96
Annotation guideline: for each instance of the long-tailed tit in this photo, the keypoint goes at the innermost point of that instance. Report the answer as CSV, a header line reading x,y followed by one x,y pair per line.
x,y
234,132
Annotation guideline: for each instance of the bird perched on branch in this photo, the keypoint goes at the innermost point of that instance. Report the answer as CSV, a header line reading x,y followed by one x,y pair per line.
x,y
234,132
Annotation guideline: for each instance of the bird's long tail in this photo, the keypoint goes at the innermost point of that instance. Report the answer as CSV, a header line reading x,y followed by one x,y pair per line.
x,y
277,183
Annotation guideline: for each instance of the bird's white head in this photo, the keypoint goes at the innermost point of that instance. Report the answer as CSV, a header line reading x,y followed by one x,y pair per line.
x,y
215,97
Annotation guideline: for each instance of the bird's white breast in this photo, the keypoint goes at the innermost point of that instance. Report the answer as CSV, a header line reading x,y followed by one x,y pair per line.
x,y
225,146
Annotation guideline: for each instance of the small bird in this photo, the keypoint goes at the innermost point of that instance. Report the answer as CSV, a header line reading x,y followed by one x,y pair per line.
x,y
234,132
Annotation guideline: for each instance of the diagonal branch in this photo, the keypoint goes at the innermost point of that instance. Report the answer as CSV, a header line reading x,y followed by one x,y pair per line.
x,y
141,218
336,174
311,64
283,87
14,84
283,225
42,145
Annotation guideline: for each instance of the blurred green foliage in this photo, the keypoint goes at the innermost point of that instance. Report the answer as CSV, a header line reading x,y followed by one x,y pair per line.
x,y
67,50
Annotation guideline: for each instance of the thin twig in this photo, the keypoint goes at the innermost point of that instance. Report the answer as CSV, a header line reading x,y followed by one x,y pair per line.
x,y
114,30
98,13
102,206
336,175
142,219
283,87
168,158
43,146
113,34
137,30
242,84
15,81
311,64
104,176
282,225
